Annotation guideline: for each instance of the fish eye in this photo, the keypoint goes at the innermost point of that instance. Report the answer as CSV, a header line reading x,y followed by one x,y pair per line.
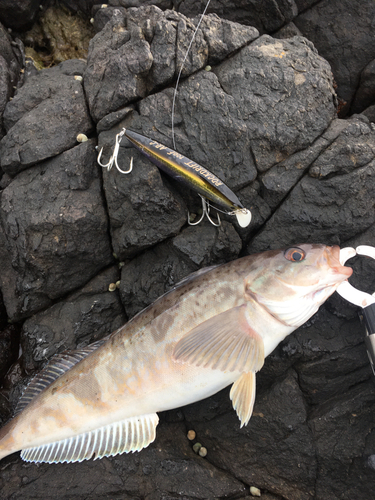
x,y
294,254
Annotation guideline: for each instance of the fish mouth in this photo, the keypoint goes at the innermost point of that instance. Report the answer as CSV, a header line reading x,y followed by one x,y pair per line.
x,y
336,259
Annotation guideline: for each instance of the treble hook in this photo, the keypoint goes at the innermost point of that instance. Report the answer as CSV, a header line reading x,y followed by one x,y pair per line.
x,y
205,212
113,158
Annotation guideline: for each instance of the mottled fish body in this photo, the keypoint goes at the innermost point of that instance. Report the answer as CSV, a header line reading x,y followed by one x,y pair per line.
x,y
214,329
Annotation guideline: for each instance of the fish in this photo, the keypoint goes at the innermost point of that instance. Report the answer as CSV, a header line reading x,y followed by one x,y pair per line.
x,y
213,329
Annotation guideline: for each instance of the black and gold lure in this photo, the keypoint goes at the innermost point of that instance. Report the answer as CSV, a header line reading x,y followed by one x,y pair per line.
x,y
186,171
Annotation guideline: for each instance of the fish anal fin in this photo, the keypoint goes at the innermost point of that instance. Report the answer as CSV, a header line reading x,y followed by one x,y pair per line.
x,y
132,434
224,342
242,395
57,366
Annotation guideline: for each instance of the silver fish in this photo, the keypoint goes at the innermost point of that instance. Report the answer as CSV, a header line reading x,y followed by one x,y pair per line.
x,y
213,329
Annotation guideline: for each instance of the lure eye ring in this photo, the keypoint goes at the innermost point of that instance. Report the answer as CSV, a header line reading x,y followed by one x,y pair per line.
x,y
294,254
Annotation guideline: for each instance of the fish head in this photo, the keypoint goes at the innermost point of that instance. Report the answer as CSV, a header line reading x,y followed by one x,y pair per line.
x,y
292,284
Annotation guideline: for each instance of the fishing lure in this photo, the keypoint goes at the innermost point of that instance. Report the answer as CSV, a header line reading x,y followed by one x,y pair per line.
x,y
182,169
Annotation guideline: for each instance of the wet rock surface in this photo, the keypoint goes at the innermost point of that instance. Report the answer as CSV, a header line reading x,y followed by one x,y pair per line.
x,y
263,118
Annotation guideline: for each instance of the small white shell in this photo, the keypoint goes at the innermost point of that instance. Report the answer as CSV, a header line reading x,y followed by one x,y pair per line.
x,y
202,451
81,138
254,491
191,435
197,447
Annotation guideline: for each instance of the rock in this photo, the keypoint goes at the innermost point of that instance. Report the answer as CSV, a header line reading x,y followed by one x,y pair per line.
x,y
352,149
82,318
166,265
370,113
276,446
342,32
135,53
288,31
9,72
278,181
81,6
4,407
18,14
9,347
3,314
162,4
55,234
318,209
266,16
44,118
281,88
343,432
364,96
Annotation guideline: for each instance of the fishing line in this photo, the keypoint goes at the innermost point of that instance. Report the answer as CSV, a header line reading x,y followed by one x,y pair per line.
x,y
182,67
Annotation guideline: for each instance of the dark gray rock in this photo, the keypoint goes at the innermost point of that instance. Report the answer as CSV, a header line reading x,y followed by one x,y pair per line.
x,y
3,314
82,318
288,31
265,15
44,118
55,233
370,113
18,14
342,31
339,202
141,49
9,348
284,92
82,6
343,433
166,264
9,72
162,4
103,13
352,149
276,447
365,94
278,181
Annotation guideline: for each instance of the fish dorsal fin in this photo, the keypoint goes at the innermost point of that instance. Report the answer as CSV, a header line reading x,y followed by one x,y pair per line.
x,y
194,275
242,395
57,366
131,434
224,342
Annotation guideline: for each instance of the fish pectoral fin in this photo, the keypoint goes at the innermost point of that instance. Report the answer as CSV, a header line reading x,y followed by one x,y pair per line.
x,y
242,395
224,342
131,434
